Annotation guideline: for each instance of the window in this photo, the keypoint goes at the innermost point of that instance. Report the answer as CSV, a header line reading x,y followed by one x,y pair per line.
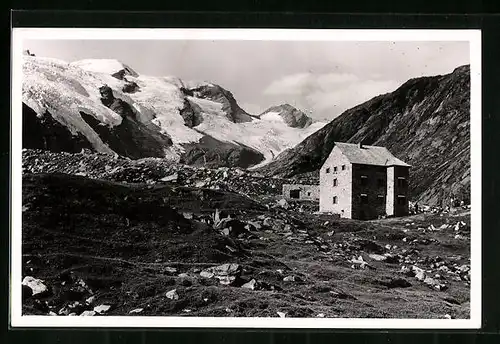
x,y
401,182
335,182
401,200
380,199
335,169
343,167
335,200
364,180
294,193
380,182
328,170
363,198
309,193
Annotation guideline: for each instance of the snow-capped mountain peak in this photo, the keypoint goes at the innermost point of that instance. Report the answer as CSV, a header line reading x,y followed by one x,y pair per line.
x,y
111,108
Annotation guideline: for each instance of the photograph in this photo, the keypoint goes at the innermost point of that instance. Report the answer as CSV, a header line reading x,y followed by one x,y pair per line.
x,y
246,178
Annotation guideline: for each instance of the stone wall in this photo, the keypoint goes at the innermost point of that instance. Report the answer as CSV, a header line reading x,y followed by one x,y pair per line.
x,y
306,192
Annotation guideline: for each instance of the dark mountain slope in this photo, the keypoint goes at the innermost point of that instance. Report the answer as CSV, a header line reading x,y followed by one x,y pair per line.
x,y
425,122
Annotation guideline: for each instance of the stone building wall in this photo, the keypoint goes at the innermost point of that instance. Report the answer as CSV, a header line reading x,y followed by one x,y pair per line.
x,y
343,188
305,192
369,188
400,181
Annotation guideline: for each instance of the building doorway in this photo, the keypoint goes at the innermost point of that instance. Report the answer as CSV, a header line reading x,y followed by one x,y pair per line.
x,y
295,194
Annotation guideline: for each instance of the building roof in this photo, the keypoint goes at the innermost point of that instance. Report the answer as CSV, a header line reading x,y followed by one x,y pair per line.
x,y
369,155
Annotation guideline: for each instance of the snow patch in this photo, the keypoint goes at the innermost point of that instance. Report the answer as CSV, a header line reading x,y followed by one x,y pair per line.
x,y
105,66
272,116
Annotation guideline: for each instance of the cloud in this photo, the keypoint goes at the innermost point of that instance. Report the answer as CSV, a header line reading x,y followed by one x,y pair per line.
x,y
327,95
298,83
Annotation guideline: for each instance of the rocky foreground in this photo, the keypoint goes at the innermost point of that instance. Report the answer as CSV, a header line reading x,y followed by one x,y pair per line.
x,y
100,247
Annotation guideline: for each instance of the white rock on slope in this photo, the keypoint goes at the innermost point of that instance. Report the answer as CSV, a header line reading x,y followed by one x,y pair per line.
x,y
36,285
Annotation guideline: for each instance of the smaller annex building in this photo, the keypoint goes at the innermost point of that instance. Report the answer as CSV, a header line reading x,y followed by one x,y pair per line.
x,y
363,182
301,191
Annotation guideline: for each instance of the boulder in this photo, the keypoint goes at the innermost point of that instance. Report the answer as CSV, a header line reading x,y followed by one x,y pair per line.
x,y
101,309
88,313
377,257
283,203
37,286
252,285
172,294
418,273
170,178
225,273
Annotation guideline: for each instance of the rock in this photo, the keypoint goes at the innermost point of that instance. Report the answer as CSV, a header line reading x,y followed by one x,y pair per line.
x,y
187,216
377,257
88,313
225,273
36,285
27,292
447,316
226,280
255,224
290,278
172,294
207,274
90,300
252,284
281,314
419,273
226,231
440,287
430,281
169,270
137,310
52,313
396,283
102,309
283,203
170,178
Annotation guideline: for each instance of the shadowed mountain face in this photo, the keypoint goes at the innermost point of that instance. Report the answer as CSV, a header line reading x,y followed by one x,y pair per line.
x,y
44,132
425,122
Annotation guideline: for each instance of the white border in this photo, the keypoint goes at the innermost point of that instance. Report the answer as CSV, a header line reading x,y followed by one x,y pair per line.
x,y
19,34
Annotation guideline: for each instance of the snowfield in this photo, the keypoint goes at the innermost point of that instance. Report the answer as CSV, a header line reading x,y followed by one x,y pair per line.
x,y
66,89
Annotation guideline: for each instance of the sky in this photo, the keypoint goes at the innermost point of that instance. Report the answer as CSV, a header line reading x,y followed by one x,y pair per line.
x,y
323,79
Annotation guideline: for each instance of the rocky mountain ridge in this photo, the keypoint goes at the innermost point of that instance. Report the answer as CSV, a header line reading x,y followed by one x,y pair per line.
x,y
425,122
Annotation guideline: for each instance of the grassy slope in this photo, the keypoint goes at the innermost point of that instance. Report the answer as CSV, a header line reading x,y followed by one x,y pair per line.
x,y
122,240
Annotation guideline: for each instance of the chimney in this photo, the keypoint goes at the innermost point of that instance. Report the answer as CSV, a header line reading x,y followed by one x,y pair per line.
x,y
360,144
